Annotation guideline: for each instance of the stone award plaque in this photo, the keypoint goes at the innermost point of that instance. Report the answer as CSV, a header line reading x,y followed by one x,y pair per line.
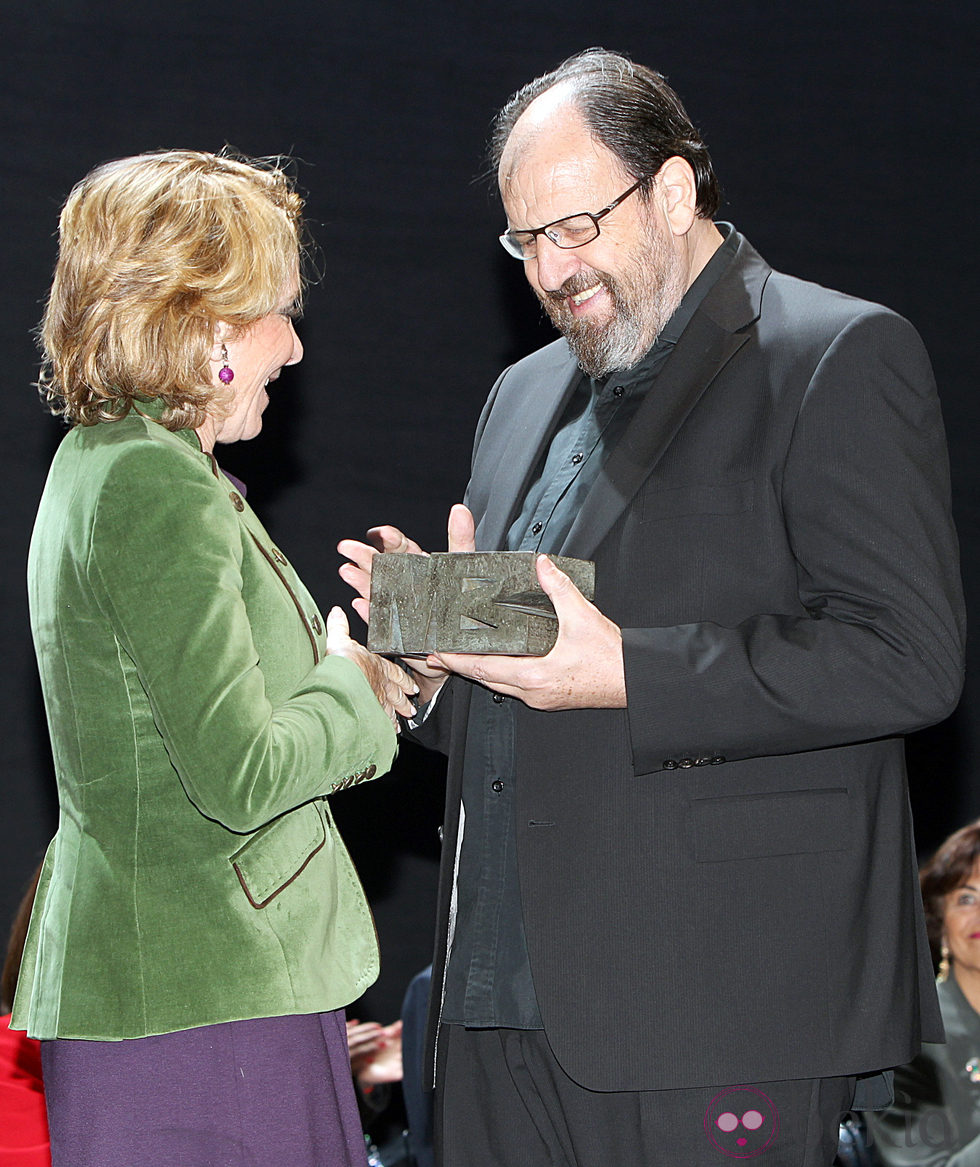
x,y
473,601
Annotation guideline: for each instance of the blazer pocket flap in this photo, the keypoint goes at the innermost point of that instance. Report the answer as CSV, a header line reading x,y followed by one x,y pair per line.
x,y
277,853
793,822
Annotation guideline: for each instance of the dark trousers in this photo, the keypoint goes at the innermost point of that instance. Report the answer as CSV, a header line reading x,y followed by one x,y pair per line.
x,y
503,1101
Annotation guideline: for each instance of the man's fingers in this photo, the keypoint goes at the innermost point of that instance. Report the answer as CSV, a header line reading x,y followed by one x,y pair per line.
x,y
462,529
497,672
557,586
356,578
388,538
359,553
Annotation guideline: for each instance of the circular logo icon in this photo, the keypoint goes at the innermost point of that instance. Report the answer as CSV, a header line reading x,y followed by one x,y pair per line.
x,y
741,1122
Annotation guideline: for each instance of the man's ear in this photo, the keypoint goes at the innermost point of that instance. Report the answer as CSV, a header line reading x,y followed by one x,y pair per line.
x,y
678,194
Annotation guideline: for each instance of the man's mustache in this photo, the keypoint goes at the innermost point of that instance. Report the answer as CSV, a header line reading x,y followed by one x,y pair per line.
x,y
575,284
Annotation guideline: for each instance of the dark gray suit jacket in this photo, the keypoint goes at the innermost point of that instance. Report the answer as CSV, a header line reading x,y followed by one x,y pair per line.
x,y
718,882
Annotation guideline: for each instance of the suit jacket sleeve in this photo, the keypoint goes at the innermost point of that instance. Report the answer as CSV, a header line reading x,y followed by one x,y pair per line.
x,y
876,647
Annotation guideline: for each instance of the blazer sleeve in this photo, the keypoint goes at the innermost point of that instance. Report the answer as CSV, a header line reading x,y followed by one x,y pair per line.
x,y
877,646
242,760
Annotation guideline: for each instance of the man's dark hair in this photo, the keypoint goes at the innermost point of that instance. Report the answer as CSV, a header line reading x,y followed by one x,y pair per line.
x,y
630,109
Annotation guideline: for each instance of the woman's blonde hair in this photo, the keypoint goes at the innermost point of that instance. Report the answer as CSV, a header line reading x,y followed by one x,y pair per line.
x,y
154,251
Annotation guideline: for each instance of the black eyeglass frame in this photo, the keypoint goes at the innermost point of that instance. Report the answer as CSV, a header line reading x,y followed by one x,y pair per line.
x,y
509,238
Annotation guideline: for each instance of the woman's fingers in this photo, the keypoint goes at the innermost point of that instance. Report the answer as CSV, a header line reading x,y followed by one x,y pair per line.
x,y
393,686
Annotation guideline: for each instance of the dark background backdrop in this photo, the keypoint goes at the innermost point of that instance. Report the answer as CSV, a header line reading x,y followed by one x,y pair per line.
x,y
845,141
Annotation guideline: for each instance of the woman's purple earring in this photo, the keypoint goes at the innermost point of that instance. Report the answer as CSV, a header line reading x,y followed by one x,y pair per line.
x,y
225,374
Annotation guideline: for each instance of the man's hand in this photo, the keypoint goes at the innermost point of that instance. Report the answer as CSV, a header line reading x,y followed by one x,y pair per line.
x,y
357,573
583,671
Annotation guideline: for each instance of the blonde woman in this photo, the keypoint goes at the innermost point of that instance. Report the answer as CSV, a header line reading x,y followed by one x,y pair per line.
x,y
198,925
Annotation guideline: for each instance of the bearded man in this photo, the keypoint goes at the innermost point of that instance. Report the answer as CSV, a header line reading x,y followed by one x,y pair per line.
x,y
680,918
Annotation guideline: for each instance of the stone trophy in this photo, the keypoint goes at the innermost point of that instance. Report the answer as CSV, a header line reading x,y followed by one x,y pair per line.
x,y
466,601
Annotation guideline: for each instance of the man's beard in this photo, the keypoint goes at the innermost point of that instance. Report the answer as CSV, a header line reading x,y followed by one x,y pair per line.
x,y
644,297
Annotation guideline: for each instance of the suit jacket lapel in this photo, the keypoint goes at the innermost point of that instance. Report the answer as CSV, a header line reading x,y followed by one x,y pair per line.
x,y
710,340
534,416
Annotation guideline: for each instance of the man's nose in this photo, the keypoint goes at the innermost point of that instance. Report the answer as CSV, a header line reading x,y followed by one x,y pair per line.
x,y
555,264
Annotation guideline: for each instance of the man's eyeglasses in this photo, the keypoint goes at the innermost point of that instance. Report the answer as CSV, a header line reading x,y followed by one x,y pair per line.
x,y
572,231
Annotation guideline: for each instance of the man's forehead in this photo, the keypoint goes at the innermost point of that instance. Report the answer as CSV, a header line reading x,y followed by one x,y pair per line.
x,y
549,128
551,153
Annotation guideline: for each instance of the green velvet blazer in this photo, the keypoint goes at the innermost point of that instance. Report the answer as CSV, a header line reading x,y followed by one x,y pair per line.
x,y
197,726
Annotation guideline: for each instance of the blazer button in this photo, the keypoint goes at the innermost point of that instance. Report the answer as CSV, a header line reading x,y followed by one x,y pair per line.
x,y
670,764
499,698
686,763
496,785
236,500
278,556
717,760
369,773
317,626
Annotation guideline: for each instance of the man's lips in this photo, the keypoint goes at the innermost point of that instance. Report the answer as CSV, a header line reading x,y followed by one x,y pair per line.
x,y
581,302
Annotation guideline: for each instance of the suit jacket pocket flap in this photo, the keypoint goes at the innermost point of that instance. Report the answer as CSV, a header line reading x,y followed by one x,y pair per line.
x,y
277,853
793,822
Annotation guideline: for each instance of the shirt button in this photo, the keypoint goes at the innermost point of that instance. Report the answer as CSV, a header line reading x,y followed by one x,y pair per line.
x,y
496,785
536,528
618,391
499,698
576,458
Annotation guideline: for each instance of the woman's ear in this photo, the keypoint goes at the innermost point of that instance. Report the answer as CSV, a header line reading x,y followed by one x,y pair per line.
x,y
222,334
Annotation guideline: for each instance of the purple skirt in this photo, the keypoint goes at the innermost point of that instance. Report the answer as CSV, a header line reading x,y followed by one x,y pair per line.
x,y
243,1094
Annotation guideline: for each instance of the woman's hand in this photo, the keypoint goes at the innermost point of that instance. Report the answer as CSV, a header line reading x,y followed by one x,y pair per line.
x,y
392,686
